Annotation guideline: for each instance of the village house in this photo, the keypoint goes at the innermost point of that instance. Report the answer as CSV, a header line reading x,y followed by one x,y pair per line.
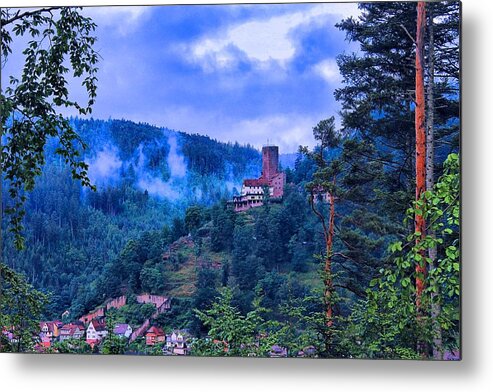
x,y
155,335
10,335
50,329
122,330
310,352
71,331
95,332
278,352
177,342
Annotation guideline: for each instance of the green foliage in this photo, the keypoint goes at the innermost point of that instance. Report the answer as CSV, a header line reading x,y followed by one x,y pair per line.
x,y
21,307
134,313
244,263
156,349
178,229
386,323
193,218
112,343
127,135
306,325
300,326
381,327
152,279
72,346
223,223
345,173
180,316
59,37
205,157
206,289
378,126
232,334
137,347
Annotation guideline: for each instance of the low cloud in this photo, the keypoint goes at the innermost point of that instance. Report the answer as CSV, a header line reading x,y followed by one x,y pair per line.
x,y
105,166
157,187
176,161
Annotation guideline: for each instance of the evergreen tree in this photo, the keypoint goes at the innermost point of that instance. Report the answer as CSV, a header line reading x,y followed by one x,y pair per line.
x,y
193,218
377,97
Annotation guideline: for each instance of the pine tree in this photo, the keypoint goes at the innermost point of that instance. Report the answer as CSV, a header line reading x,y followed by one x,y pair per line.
x,y
324,187
378,96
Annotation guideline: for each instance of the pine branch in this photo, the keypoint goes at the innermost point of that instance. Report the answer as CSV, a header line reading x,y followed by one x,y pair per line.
x,y
408,34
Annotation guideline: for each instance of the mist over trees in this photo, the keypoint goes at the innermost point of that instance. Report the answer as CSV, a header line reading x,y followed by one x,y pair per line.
x,y
360,258
74,232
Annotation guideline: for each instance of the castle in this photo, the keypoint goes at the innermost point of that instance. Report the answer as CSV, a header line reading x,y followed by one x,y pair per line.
x,y
252,191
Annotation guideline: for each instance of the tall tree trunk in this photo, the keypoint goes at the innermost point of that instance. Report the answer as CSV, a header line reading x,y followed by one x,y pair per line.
x,y
430,105
430,180
329,287
328,228
420,223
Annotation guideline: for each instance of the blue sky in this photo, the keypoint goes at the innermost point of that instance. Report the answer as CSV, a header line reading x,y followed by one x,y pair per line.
x,y
246,73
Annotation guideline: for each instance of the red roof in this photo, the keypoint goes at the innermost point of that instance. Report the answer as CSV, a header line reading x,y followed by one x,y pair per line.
x,y
98,325
156,331
69,329
50,324
256,182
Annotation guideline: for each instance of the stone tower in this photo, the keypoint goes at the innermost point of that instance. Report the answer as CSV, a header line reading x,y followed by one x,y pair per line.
x,y
270,162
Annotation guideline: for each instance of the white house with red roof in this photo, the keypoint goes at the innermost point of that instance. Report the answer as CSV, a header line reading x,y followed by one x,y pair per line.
x,y
95,332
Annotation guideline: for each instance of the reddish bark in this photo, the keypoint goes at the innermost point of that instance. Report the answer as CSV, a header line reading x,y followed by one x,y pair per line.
x,y
430,182
329,240
420,224
328,261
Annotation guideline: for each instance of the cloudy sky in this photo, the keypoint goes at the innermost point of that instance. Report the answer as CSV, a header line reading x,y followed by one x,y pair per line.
x,y
246,73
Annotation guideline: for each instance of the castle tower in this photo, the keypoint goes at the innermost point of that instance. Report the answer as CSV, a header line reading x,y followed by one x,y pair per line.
x,y
270,162
253,190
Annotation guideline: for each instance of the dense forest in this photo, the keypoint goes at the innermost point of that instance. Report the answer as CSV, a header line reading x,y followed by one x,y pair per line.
x,y
145,177
360,258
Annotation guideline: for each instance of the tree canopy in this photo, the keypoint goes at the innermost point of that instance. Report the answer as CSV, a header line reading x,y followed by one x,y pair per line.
x,y
60,46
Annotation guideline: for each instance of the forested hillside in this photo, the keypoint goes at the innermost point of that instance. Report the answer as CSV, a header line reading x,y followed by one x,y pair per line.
x,y
356,256
145,177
